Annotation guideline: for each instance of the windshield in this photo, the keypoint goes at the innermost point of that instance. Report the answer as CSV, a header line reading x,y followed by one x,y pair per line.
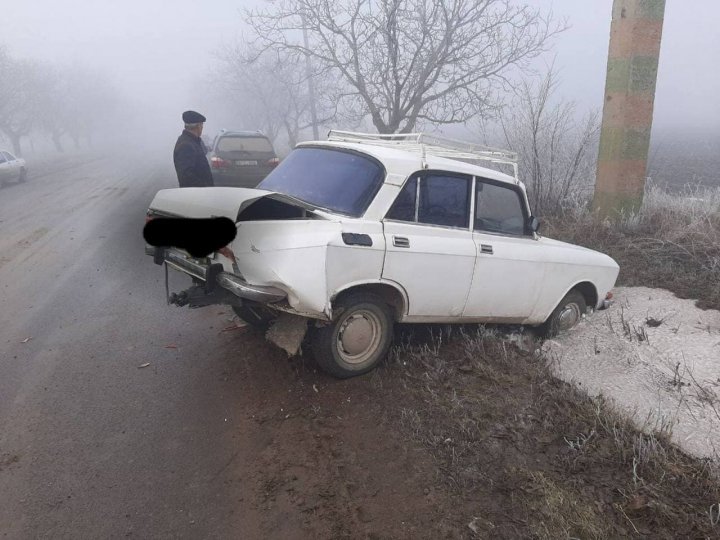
x,y
338,180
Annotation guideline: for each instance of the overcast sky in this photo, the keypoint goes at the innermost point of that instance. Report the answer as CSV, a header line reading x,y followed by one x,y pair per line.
x,y
156,51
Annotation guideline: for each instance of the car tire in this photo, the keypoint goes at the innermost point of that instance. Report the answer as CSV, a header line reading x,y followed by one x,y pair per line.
x,y
566,315
357,339
23,175
256,315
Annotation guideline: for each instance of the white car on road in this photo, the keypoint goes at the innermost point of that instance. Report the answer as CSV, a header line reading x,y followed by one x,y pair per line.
x,y
11,168
349,236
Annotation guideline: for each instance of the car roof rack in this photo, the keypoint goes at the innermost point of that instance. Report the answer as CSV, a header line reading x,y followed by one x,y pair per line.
x,y
431,145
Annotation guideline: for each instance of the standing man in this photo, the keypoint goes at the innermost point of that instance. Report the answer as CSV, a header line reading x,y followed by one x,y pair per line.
x,y
193,169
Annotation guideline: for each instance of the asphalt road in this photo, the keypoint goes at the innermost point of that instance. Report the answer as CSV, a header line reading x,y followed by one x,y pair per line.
x,y
220,436
92,445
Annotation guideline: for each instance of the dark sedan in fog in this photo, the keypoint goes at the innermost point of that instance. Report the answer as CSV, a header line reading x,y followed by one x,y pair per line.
x,y
241,158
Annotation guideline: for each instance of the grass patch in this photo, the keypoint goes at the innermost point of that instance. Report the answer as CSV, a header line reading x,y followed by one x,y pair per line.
x,y
531,456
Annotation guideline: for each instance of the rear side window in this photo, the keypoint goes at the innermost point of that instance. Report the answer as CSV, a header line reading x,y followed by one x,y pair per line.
x,y
440,199
244,144
403,209
2,158
498,209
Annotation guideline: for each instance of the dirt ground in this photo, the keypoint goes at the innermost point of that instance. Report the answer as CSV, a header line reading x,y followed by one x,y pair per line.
x,y
330,460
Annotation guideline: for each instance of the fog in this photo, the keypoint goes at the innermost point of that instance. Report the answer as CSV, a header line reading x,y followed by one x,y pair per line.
x,y
160,57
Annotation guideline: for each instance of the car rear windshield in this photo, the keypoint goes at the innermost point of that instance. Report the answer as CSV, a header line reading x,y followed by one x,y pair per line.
x,y
341,181
246,144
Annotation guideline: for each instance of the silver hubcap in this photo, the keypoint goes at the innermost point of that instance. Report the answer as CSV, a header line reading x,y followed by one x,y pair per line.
x,y
569,317
359,336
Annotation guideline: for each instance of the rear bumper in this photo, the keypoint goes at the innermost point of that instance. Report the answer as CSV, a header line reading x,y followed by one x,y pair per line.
x,y
212,275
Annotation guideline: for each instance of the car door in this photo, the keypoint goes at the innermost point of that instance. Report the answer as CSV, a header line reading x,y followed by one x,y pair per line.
x,y
510,270
430,250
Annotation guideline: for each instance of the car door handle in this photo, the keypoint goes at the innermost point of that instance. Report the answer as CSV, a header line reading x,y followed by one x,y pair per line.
x,y
401,241
486,248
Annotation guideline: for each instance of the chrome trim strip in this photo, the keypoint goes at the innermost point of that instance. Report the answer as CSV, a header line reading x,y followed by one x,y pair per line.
x,y
250,292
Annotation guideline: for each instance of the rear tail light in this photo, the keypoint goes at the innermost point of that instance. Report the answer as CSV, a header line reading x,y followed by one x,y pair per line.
x,y
273,162
228,253
607,302
219,163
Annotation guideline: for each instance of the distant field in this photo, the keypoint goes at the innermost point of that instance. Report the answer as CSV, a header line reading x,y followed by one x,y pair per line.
x,y
677,160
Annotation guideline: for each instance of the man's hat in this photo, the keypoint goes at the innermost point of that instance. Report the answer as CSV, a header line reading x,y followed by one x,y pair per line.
x,y
192,117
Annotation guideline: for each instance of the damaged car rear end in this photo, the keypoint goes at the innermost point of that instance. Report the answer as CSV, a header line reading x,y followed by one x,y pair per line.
x,y
290,256
349,236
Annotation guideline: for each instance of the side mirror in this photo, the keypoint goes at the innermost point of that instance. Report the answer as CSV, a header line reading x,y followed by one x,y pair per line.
x,y
533,224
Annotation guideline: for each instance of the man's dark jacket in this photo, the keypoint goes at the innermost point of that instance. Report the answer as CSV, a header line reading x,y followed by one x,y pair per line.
x,y
193,169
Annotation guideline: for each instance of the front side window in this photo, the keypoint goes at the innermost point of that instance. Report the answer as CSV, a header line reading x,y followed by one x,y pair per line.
x,y
441,199
2,158
8,156
338,180
498,209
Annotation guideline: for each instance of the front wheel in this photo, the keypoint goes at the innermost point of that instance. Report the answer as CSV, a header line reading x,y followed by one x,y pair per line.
x,y
23,175
566,315
357,339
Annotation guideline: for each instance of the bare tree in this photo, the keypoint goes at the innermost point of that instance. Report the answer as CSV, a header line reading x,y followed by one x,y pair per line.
x,y
410,61
52,112
20,90
88,100
557,151
37,97
270,91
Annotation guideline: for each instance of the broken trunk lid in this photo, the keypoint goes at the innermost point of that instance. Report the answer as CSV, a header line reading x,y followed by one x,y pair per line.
x,y
205,202
227,202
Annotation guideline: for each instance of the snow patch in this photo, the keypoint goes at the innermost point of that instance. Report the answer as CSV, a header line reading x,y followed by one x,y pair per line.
x,y
657,357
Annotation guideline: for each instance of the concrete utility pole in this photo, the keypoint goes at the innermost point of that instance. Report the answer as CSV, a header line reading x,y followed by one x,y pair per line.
x,y
311,82
635,35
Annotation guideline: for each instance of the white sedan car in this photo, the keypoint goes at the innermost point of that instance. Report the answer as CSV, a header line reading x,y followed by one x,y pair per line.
x,y
11,168
349,236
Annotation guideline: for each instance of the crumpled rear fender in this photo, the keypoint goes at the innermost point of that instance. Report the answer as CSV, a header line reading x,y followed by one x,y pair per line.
x,y
290,255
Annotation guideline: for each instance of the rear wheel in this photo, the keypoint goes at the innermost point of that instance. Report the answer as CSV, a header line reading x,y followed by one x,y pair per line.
x,y
255,315
566,315
357,339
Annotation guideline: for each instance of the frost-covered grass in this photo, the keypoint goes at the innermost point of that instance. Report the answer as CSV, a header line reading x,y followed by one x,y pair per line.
x,y
673,242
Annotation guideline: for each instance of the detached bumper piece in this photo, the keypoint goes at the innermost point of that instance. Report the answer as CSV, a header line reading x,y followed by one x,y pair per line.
x,y
212,275
196,297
